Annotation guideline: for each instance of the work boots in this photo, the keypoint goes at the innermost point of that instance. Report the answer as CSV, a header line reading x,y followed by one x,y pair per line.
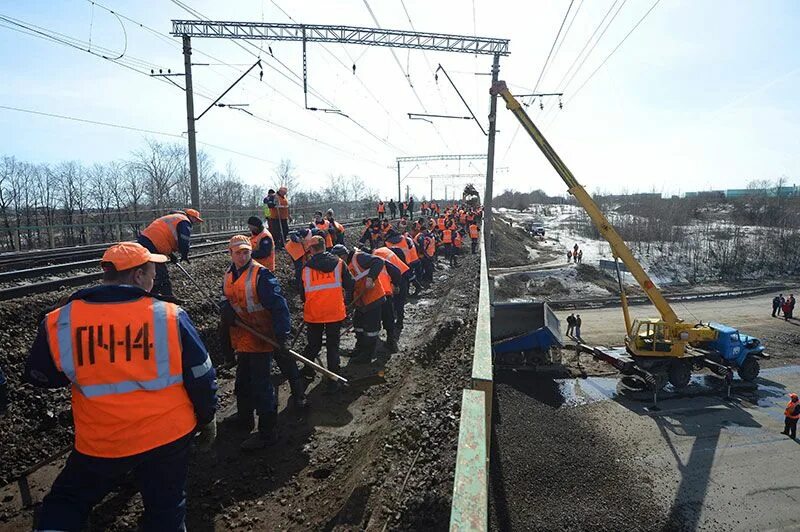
x,y
266,436
391,345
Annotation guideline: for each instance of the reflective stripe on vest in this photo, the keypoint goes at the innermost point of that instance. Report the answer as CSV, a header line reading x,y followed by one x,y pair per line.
x,y
124,361
163,232
389,256
365,295
243,298
67,354
255,241
324,300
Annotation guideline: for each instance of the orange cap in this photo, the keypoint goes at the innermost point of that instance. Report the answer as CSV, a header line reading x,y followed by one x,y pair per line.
x,y
127,255
194,214
239,241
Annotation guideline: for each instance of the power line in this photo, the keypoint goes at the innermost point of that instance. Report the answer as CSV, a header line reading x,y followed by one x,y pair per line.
x,y
571,22
129,128
405,74
544,66
574,94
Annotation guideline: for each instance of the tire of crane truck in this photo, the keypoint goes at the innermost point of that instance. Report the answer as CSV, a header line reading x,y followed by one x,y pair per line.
x,y
680,373
749,370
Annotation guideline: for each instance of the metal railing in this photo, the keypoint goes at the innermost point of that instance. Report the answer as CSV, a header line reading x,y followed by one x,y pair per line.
x,y
470,505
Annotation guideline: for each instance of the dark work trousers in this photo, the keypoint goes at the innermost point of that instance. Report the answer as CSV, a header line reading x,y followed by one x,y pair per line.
x,y
387,318
298,274
332,332
367,326
284,232
291,372
275,232
253,386
380,215
474,246
162,284
400,300
427,270
160,476
775,308
790,427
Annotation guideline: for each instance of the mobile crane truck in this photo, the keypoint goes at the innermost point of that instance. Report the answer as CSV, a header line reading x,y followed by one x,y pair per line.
x,y
659,350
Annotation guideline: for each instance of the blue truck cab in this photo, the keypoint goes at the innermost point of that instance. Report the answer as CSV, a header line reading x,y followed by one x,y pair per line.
x,y
733,346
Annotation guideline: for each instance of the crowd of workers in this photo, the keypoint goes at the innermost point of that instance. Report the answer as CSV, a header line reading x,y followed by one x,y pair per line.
x,y
143,384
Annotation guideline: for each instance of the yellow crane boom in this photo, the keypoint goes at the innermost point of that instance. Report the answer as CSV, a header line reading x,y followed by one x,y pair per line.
x,y
618,246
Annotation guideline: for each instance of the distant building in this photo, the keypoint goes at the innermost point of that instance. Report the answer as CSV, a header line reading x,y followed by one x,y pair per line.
x,y
732,193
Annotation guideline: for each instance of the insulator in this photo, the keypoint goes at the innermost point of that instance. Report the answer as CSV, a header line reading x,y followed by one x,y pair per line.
x,y
152,71
261,75
169,71
541,106
354,68
270,49
160,71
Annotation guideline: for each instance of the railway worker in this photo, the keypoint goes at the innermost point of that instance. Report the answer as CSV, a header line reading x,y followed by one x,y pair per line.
x,y
411,208
142,386
458,241
262,243
252,296
393,314
328,230
792,414
283,214
271,215
776,305
338,236
578,327
168,235
570,323
569,256
368,299
447,244
325,281
381,210
392,208
423,208
474,235
426,246
409,255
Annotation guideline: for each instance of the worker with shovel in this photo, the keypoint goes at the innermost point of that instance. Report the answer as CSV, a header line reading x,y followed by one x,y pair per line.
x,y
366,270
325,280
254,298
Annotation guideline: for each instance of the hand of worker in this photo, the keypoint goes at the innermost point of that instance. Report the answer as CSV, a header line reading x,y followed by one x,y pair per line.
x,y
173,258
206,435
370,283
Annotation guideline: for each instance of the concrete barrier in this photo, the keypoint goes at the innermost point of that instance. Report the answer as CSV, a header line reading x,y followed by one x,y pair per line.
x,y
470,506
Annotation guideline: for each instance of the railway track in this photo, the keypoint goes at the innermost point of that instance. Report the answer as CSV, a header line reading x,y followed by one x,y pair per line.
x,y
601,302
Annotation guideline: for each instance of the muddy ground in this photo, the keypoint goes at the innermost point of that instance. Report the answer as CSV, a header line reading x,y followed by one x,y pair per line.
x,y
375,457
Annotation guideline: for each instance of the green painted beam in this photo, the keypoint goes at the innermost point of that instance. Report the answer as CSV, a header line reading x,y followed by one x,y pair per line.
x,y
470,509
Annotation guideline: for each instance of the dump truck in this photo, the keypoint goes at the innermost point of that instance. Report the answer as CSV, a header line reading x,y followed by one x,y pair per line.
x,y
525,335
663,349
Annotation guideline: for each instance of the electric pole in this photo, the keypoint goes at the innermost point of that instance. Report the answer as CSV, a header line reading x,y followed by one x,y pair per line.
x,y
487,193
194,182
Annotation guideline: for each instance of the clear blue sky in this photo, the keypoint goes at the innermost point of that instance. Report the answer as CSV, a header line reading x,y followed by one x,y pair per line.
x,y
703,94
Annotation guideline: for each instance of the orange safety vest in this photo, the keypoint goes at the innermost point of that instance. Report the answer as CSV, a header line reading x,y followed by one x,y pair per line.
x,y
440,224
409,252
381,207
457,240
324,295
447,236
790,408
163,232
473,231
268,261
368,295
124,362
324,227
296,250
390,256
283,207
243,297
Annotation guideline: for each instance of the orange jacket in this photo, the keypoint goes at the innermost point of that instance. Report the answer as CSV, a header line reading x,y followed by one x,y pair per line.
x,y
243,297
447,236
296,250
124,361
325,227
324,295
364,295
381,207
390,256
283,207
409,251
163,232
792,411
457,240
268,261
473,231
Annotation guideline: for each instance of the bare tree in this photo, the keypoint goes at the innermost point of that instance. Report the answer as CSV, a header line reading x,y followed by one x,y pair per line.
x,y
285,175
